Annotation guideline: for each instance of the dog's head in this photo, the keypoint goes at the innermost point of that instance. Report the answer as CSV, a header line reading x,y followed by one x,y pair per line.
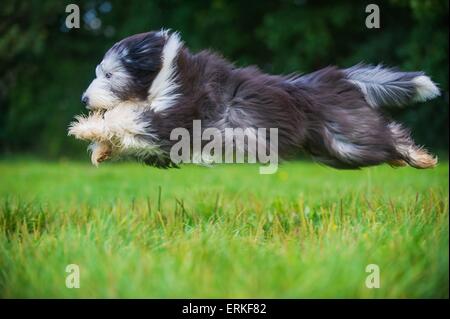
x,y
128,70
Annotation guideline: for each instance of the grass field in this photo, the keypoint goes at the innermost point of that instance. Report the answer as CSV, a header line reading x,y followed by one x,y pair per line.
x,y
306,231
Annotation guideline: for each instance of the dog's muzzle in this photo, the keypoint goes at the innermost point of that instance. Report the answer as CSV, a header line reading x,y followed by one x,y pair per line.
x,y
85,101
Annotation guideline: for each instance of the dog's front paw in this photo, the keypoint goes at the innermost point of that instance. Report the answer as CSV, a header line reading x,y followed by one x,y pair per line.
x,y
101,152
88,128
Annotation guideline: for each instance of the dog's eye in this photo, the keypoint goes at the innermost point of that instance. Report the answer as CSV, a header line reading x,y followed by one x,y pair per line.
x,y
108,75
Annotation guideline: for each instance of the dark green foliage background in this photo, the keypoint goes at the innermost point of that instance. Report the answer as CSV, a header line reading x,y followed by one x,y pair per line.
x,y
44,68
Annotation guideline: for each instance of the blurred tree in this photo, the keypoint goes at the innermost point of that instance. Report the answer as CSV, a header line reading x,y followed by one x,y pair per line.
x,y
44,67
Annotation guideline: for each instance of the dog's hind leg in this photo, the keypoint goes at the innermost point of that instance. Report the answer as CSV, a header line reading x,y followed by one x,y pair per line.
x,y
347,146
396,148
409,152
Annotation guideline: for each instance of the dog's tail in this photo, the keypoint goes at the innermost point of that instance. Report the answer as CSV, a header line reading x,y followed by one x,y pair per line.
x,y
383,86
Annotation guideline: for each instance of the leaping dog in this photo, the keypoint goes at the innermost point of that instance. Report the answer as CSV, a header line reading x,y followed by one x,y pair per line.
x,y
150,83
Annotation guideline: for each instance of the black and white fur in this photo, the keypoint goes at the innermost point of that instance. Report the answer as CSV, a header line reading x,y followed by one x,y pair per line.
x,y
150,83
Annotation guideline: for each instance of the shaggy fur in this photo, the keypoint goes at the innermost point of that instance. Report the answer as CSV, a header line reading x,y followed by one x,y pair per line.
x,y
150,83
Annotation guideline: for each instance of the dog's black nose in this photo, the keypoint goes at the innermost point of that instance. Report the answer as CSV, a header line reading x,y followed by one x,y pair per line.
x,y
85,100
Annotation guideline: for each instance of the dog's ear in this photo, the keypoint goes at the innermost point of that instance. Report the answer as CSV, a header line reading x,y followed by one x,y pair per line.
x,y
144,52
142,58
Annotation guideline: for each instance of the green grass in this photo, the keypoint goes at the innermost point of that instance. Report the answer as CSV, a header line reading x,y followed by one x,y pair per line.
x,y
306,231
